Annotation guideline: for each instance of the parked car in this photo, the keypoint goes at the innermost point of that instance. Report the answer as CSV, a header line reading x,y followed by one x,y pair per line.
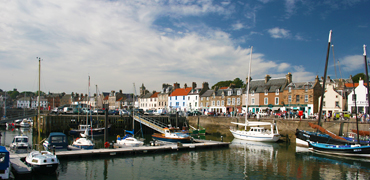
x,y
346,115
149,112
98,111
194,113
113,112
123,112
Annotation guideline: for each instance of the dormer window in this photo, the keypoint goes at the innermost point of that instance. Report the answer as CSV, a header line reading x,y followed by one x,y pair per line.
x,y
238,92
277,91
305,88
266,91
290,89
252,92
229,93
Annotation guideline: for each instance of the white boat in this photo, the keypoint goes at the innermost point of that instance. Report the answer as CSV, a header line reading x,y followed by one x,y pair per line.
x,y
256,132
128,141
20,143
42,161
83,142
25,123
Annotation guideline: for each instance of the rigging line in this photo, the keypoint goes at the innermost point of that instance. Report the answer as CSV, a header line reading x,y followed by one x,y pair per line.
x,y
335,68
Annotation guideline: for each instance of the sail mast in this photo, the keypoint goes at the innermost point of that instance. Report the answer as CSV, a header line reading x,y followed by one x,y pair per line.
x,y
248,82
323,84
367,80
38,107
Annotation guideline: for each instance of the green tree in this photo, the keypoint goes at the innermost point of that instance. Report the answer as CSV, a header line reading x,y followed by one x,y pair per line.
x,y
237,82
357,77
13,94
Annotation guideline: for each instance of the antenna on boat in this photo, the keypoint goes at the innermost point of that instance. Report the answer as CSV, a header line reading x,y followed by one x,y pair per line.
x,y
323,84
247,99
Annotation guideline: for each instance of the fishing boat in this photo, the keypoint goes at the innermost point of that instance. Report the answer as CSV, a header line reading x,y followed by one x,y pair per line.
x,y
4,163
42,162
172,135
356,150
20,143
98,131
128,140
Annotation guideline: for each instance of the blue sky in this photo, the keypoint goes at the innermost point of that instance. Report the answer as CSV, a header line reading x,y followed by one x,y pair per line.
x,y
119,43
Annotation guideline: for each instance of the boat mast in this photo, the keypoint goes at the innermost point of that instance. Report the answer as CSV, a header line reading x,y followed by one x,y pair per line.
x,y
248,82
38,106
354,98
323,84
367,80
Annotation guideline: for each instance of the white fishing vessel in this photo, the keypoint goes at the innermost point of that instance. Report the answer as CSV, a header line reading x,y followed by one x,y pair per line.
x,y
258,130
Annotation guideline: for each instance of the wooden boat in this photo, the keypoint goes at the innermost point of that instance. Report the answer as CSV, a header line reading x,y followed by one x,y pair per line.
x,y
172,135
362,133
257,132
356,150
4,163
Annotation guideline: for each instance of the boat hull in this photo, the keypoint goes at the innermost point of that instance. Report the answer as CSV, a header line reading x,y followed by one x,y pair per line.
x,y
43,169
159,137
342,150
84,146
244,135
305,136
95,131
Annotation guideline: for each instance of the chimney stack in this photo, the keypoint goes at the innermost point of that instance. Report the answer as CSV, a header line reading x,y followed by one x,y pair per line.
x,y
205,85
185,86
267,78
194,85
289,77
176,86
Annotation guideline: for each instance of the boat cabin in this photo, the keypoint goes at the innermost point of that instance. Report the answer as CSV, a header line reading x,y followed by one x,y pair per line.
x,y
4,163
57,139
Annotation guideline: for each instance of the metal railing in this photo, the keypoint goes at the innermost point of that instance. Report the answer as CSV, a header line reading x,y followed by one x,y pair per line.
x,y
156,125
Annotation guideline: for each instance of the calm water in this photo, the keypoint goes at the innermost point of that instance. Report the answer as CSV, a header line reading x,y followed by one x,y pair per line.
x,y
243,160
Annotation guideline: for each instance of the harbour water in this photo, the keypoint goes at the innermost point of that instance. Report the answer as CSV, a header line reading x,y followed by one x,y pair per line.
x,y
242,160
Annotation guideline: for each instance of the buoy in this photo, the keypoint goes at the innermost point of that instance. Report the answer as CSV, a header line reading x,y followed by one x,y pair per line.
x,y
106,144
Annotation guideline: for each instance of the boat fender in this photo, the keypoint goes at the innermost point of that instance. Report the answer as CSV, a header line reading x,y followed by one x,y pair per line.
x,y
106,144
77,139
118,137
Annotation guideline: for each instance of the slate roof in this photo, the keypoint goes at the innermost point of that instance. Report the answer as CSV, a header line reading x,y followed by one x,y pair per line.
x,y
301,85
208,93
259,86
194,91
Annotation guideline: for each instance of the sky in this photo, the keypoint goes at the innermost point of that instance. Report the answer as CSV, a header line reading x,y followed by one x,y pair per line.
x,y
119,43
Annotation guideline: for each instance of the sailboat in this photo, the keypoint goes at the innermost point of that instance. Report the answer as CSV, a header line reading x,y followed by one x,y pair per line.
x,y
258,130
129,140
41,161
83,142
356,150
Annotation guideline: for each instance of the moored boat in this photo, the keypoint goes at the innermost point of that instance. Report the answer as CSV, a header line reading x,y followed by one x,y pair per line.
x,y
128,141
56,140
99,131
42,162
257,132
20,143
172,135
4,163
356,150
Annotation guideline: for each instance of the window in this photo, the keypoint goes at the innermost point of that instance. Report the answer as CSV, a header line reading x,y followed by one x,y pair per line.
x,y
188,97
252,100
266,91
170,103
354,97
218,103
233,101
323,103
177,103
276,101
196,104
305,98
297,98
238,92
196,97
277,91
183,104
238,101
305,88
222,103
213,103
214,96
228,101
207,104
207,98
336,103
252,93
201,104
183,98
201,98
266,101
229,93
290,89
175,97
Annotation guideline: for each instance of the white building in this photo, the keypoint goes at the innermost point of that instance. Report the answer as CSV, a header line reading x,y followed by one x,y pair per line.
x,y
333,101
24,102
43,103
361,99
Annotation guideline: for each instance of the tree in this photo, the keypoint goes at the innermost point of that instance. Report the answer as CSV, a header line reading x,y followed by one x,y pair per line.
x,y
237,82
357,77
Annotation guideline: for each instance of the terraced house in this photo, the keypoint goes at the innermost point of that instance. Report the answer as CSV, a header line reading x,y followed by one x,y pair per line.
x,y
177,100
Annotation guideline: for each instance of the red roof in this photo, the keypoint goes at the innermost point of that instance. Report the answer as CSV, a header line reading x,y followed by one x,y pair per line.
x,y
350,85
155,95
106,97
181,92
224,87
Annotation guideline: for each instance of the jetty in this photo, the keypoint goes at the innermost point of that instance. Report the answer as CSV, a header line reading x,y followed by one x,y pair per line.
x,y
21,168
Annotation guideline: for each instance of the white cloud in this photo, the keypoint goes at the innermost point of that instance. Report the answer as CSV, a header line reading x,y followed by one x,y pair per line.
x,y
237,26
117,44
352,62
279,33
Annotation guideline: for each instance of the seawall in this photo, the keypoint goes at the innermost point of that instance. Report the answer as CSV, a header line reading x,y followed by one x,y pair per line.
x,y
286,127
